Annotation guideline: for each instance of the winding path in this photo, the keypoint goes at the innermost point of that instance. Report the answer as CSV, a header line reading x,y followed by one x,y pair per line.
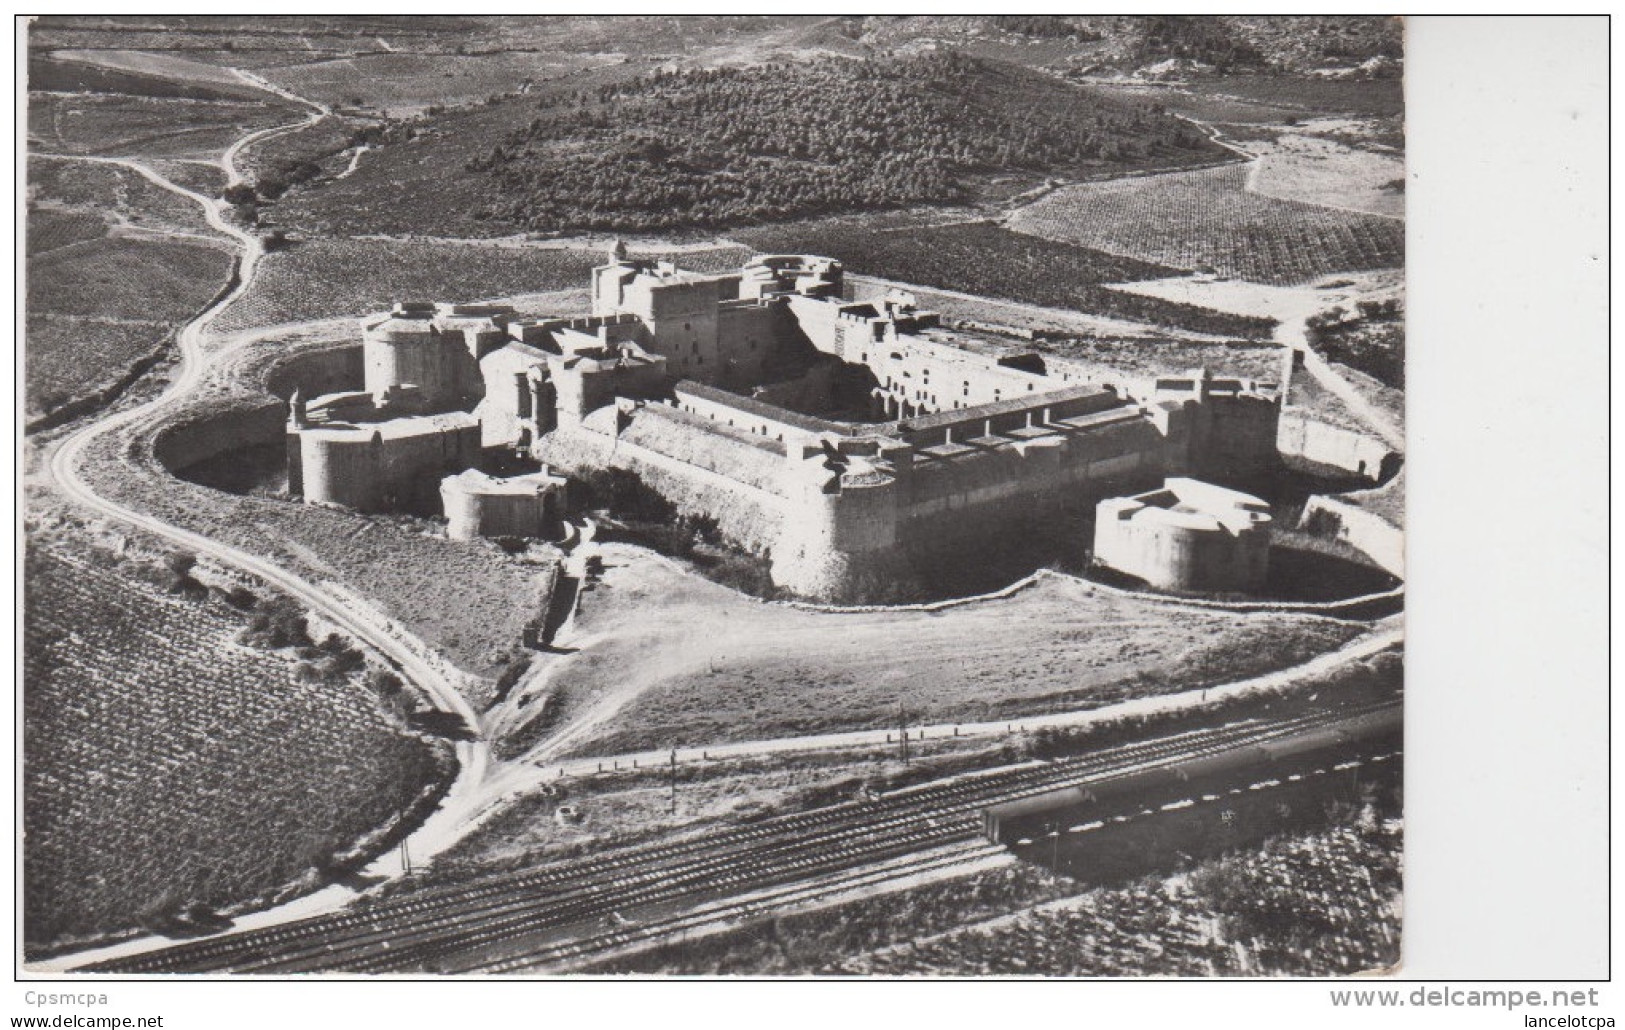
x,y
465,799
481,785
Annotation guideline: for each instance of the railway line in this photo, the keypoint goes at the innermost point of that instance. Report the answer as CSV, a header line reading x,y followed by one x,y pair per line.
x,y
558,914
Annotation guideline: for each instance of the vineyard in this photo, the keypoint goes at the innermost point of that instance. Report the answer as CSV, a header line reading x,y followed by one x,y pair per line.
x,y
1208,220
96,308
170,765
1323,904
127,279
987,260
49,229
111,191
98,305
325,278
68,357
198,176
138,126
469,601
400,84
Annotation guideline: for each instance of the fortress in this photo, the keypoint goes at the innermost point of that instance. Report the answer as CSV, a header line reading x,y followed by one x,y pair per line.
x,y
842,439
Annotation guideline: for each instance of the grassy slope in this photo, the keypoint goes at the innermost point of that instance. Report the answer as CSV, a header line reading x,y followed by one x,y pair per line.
x,y
715,666
423,184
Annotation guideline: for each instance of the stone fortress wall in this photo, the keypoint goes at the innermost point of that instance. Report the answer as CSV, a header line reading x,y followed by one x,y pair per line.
x,y
478,504
967,441
943,437
1187,536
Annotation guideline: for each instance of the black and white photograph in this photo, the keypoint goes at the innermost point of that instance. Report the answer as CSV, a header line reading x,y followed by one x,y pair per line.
x,y
713,496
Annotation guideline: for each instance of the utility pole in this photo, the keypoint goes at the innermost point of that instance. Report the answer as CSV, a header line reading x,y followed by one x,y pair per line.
x,y
902,725
673,781
1055,849
406,860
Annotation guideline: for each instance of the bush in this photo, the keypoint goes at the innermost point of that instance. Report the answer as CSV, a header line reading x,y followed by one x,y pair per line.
x,y
180,580
384,683
743,572
239,597
277,624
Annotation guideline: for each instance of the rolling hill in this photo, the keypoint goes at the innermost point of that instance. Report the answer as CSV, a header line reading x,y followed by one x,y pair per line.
x,y
711,147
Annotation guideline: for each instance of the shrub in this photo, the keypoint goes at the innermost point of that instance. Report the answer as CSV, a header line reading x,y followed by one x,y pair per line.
x,y
277,624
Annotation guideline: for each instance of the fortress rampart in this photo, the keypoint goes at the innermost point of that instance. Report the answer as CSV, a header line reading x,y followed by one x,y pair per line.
x,y
910,439
1315,441
1187,536
385,466
480,505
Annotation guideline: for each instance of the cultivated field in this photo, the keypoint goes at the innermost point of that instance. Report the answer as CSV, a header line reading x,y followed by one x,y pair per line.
x,y
400,85
49,229
144,717
1321,904
667,658
141,126
321,278
203,177
97,307
1208,220
120,195
1311,904
984,259
68,357
108,279
127,279
939,255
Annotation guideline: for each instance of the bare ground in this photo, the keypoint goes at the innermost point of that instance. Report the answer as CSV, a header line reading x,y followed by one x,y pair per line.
x,y
665,658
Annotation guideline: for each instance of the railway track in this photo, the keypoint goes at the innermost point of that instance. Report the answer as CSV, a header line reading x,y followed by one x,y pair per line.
x,y
519,920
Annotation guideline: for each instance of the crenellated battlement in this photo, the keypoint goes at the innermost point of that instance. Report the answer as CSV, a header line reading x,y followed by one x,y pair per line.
x,y
878,430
